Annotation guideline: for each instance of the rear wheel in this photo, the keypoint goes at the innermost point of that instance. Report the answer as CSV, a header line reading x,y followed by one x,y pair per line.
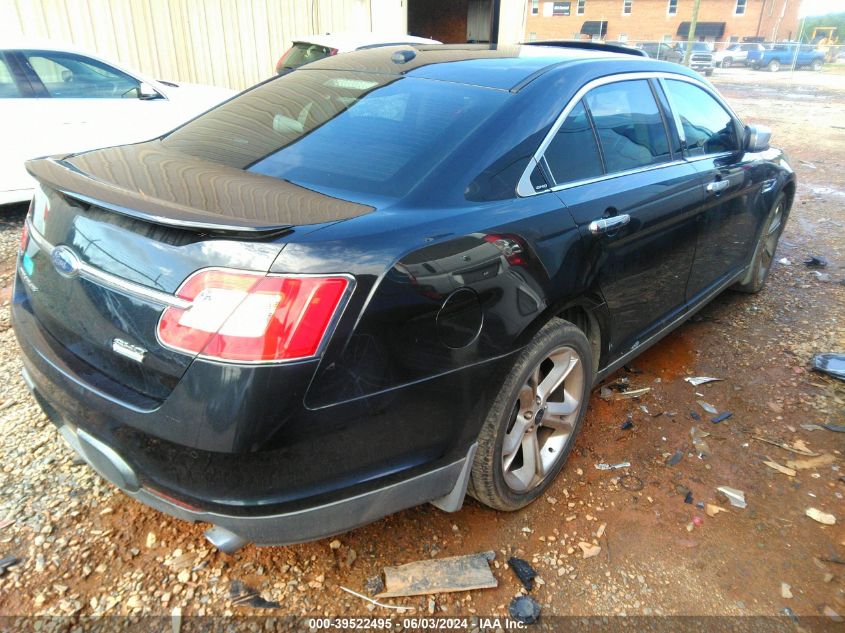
x,y
531,426
766,247
726,63
816,65
773,66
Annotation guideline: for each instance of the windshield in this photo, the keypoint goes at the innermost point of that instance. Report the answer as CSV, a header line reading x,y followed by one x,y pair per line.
x,y
340,132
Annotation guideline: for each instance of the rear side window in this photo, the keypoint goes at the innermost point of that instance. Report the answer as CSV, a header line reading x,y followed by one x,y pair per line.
x,y
708,127
71,76
629,125
573,153
8,88
302,53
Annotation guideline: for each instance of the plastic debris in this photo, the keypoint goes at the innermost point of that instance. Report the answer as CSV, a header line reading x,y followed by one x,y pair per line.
x,y
831,364
524,609
736,497
688,497
441,575
675,458
697,521
784,261
810,464
374,585
604,466
694,415
588,550
636,393
815,262
524,571
781,469
785,591
833,615
701,447
712,509
708,407
801,450
399,608
701,380
8,561
824,518
721,417
627,424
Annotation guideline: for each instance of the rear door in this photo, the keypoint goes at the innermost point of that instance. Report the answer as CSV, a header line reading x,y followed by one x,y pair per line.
x,y
726,222
634,201
19,137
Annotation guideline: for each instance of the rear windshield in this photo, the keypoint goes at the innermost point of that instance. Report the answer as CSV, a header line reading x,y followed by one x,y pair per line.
x,y
338,132
302,53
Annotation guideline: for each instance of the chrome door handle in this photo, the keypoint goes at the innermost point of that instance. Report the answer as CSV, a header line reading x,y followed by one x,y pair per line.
x,y
717,186
609,225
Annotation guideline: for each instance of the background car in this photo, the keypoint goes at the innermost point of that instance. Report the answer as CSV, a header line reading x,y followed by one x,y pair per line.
x,y
662,50
313,47
785,55
735,54
59,99
701,59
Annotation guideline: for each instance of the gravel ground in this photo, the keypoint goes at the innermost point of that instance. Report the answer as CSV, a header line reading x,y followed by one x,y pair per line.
x,y
89,550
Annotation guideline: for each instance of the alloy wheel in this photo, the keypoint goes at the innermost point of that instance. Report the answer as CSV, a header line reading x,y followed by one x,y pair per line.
x,y
543,419
770,238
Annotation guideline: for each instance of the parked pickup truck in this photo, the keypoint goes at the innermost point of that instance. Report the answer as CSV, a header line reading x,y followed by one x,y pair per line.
x,y
783,55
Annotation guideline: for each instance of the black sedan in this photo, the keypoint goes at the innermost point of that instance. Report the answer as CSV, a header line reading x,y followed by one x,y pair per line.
x,y
388,278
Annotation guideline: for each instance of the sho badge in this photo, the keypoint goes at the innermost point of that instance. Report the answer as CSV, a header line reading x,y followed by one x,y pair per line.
x,y
132,352
65,262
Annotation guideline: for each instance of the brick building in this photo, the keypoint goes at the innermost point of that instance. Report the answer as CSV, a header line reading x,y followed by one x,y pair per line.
x,y
637,20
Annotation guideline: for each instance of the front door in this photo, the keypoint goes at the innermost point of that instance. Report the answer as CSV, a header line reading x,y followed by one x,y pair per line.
x,y
634,201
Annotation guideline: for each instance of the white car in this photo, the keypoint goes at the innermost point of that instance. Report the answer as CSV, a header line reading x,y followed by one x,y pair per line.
x,y
313,47
56,99
735,54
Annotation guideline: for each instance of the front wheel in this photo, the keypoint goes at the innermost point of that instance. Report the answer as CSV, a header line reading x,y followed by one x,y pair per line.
x,y
816,65
764,253
726,63
532,424
774,66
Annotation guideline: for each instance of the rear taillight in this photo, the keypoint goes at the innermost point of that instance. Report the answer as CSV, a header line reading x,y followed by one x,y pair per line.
x,y
25,234
280,65
250,317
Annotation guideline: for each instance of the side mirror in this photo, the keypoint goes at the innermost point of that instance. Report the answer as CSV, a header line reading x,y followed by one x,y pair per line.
x,y
146,91
757,138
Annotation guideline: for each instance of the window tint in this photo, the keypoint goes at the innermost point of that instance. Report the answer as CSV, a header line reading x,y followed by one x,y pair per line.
x,y
573,153
70,76
302,53
629,125
708,127
8,89
340,131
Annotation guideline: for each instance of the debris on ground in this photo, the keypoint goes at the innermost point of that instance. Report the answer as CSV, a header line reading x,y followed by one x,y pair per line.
x,y
813,462
785,591
675,458
708,407
603,466
695,381
244,595
702,449
817,515
524,609
833,615
712,509
797,448
784,261
816,262
781,469
374,585
736,497
589,550
830,364
631,483
399,608
721,417
441,575
627,424
524,571
635,393
8,561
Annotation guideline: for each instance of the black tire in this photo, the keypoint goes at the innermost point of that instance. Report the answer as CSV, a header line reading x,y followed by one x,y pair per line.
x,y
816,65
488,484
764,253
726,63
773,66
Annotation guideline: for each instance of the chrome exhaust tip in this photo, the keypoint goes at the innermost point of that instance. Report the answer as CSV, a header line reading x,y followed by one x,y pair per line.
x,y
224,540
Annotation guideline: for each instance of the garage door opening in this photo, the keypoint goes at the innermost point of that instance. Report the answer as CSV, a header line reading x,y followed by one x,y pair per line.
x,y
455,22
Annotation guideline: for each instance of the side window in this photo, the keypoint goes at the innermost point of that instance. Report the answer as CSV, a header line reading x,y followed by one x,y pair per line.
x,y
629,125
573,153
70,76
8,88
708,127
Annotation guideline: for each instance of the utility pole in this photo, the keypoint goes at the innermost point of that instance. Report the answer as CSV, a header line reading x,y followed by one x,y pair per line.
x,y
691,35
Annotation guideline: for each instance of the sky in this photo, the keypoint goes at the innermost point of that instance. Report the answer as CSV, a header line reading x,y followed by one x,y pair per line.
x,y
820,7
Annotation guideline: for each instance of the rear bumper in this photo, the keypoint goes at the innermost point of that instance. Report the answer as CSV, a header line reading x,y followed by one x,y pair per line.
x,y
445,486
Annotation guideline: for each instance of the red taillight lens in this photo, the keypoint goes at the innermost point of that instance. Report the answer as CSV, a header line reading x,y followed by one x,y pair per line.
x,y
280,65
249,317
25,234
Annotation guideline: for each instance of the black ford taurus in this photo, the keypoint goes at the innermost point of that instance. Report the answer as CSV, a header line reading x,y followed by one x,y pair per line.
x,y
389,278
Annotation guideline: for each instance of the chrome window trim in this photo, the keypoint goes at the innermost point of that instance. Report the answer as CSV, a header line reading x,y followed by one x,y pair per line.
x,y
524,187
112,282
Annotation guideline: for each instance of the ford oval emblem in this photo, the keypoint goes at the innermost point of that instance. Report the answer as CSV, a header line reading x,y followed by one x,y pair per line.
x,y
65,261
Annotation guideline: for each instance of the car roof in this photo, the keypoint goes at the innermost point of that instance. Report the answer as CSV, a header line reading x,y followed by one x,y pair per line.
x,y
508,67
344,42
